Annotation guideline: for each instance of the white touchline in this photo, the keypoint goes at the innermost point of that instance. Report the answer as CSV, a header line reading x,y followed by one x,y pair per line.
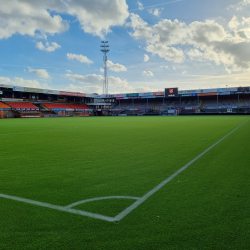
x,y
139,200
151,192
38,131
48,205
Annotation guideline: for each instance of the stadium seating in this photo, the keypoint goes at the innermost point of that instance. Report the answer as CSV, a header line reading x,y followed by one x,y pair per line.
x,y
164,106
75,107
221,103
54,106
137,104
4,106
22,105
245,102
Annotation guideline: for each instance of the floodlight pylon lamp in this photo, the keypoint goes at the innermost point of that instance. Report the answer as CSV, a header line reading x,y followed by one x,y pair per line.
x,y
105,79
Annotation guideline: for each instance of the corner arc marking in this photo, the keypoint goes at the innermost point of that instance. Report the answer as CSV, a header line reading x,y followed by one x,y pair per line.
x,y
101,198
139,200
60,208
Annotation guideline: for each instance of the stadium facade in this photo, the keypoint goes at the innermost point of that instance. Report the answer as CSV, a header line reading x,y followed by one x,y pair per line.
x,y
21,102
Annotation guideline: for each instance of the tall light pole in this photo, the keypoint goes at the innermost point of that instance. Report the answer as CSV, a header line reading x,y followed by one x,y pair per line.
x,y
105,50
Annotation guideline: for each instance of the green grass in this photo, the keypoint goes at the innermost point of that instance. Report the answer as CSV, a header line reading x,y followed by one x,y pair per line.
x,y
64,160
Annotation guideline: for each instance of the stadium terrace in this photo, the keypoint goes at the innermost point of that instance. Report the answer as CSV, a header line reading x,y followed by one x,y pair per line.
x,y
25,102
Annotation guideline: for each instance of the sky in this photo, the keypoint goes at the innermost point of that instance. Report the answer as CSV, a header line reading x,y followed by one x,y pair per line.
x,y
154,44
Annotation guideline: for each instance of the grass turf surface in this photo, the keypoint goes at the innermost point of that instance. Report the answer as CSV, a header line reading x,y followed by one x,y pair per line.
x,y
64,160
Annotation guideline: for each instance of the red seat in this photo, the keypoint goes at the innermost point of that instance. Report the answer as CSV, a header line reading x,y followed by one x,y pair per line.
x,y
22,105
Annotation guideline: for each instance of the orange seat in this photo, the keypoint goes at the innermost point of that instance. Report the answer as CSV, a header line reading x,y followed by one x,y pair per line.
x,y
4,106
73,106
22,105
56,106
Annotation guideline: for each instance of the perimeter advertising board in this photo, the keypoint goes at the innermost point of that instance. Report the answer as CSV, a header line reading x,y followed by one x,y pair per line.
x,y
146,94
132,95
72,94
207,94
171,92
18,89
158,93
33,90
243,89
52,92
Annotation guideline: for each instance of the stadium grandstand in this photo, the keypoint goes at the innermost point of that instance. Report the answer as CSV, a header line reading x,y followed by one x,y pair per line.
x,y
32,102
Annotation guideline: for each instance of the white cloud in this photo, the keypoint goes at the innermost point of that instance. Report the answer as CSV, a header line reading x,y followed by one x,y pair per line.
x,y
243,34
93,84
208,81
240,5
245,20
5,80
68,70
115,67
164,32
21,82
28,17
166,67
209,41
80,58
116,86
96,17
160,36
48,47
168,53
84,89
146,57
155,12
91,79
140,28
147,73
40,72
195,54
233,24
140,5
101,70
204,33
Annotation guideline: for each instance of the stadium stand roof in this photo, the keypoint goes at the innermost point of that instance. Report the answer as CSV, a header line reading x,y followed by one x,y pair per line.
x,y
192,92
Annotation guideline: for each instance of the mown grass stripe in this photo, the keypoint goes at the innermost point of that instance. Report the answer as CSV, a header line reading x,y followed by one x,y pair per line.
x,y
48,205
38,131
154,190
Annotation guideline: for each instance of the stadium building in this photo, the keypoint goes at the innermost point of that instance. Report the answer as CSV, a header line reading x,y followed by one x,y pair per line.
x,y
25,102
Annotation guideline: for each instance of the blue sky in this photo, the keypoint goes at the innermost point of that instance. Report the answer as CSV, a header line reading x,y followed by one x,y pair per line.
x,y
189,44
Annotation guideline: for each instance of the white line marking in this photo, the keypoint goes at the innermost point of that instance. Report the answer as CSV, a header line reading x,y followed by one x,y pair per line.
x,y
128,209
48,205
151,192
38,131
101,198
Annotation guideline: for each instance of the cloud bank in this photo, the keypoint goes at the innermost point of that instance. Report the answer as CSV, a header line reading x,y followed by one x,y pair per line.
x,y
80,58
95,17
47,47
209,41
40,72
116,67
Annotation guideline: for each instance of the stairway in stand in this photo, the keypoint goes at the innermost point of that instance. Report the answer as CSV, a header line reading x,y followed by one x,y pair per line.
x,y
202,104
155,105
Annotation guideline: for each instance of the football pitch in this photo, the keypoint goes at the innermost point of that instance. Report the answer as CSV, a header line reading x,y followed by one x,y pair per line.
x,y
125,183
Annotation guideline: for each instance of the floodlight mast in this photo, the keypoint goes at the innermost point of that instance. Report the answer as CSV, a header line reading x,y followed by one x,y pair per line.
x,y
105,50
